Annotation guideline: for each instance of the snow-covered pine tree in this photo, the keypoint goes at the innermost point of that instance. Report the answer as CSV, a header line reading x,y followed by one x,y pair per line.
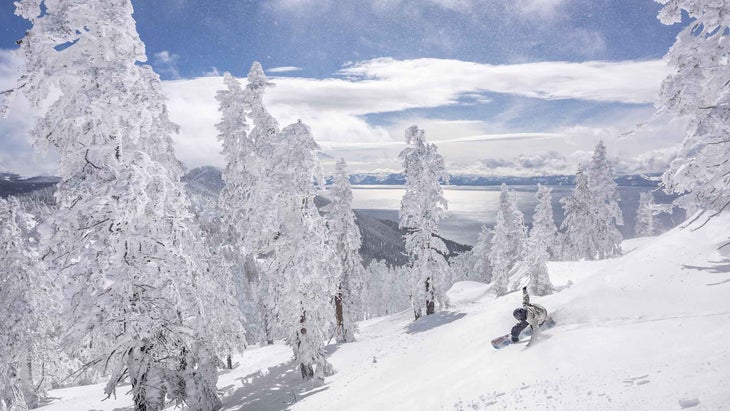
x,y
303,270
385,291
543,235
346,240
29,305
592,212
374,289
480,255
259,158
578,225
543,222
697,91
238,205
140,294
422,207
397,290
509,240
253,191
601,182
645,221
536,257
237,149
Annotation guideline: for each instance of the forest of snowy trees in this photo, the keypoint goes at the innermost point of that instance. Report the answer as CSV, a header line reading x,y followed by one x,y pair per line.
x,y
122,282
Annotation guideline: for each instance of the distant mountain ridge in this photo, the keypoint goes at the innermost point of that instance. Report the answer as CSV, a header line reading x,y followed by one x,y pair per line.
x,y
633,180
13,184
381,239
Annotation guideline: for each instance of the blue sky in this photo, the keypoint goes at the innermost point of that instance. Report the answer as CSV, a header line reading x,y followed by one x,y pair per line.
x,y
481,77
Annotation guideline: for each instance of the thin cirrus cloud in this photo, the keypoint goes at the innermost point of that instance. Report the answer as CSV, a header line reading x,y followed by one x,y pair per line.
x,y
634,82
528,9
337,108
285,69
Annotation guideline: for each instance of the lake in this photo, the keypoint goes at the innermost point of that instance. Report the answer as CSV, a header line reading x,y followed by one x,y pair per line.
x,y
471,207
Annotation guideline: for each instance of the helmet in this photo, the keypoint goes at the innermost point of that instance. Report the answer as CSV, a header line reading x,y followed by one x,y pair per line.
x,y
520,314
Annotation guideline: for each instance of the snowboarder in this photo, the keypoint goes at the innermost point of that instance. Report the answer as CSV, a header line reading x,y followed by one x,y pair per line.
x,y
533,315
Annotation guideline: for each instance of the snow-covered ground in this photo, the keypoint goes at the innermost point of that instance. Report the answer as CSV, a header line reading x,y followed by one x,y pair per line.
x,y
646,331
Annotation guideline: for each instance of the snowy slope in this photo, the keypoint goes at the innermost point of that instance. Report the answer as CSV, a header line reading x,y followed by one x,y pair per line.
x,y
645,331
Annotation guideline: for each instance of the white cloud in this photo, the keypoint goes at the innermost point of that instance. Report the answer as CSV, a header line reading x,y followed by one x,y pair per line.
x,y
536,9
166,62
9,71
442,81
337,108
165,57
16,153
524,9
285,69
213,72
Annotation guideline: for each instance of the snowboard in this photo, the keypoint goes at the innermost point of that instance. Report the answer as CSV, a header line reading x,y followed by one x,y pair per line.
x,y
505,340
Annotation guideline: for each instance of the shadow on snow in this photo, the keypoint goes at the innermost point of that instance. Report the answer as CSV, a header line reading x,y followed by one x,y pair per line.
x,y
275,389
717,267
432,321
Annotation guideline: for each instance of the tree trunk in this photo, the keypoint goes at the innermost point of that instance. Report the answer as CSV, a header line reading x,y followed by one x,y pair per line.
x,y
267,330
417,313
29,389
14,397
340,330
140,400
430,299
307,371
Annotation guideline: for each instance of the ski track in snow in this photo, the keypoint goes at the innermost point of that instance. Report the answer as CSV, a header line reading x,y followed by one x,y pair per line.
x,y
646,331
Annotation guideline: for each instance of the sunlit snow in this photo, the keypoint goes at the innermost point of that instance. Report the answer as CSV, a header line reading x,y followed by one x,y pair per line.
x,y
647,330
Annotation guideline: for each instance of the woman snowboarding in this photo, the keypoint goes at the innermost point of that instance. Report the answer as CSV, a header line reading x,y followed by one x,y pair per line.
x,y
533,315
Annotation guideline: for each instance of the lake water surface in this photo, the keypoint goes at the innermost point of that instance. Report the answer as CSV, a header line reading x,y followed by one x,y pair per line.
x,y
471,207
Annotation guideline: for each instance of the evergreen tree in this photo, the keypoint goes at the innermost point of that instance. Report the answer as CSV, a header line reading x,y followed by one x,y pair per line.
x,y
543,223
237,203
237,148
346,240
141,296
542,238
257,222
482,266
535,262
258,156
592,212
302,267
29,303
422,207
247,217
385,290
374,289
509,240
579,241
645,221
601,182
697,91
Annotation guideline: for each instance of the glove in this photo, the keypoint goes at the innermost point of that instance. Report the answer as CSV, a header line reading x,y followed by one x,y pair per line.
x,y
515,339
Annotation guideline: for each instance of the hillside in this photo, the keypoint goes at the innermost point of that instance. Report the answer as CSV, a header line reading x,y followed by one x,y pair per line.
x,y
645,331
381,238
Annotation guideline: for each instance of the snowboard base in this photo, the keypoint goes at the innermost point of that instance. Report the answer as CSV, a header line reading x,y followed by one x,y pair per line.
x,y
505,340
